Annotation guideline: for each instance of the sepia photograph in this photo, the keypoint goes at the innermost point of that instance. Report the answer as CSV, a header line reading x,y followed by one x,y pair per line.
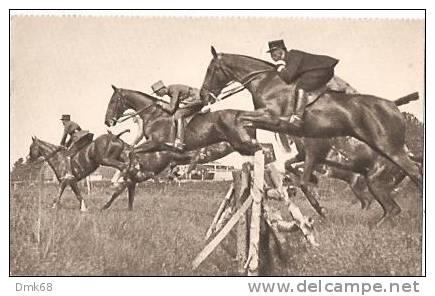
x,y
216,146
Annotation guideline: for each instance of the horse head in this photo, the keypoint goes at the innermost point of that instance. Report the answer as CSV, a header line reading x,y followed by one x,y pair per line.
x,y
215,79
226,68
124,99
35,151
40,149
115,108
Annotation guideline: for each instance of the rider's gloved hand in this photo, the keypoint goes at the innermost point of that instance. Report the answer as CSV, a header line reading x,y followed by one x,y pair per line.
x,y
280,65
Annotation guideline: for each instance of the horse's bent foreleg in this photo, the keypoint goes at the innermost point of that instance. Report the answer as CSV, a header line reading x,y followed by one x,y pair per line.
x,y
148,146
113,163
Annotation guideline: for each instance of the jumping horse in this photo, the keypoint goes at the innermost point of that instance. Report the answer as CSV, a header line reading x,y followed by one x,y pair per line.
x,y
376,122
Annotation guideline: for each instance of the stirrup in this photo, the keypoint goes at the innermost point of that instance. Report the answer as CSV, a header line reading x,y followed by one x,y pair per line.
x,y
176,146
296,120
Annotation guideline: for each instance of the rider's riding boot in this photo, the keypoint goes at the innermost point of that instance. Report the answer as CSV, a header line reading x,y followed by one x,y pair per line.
x,y
179,139
68,175
297,117
72,150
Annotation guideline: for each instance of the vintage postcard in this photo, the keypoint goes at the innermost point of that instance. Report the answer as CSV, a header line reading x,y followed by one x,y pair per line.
x,y
230,146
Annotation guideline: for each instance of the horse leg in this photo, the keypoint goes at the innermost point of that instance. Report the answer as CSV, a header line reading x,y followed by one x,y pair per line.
x,y
313,201
131,192
309,165
410,167
361,190
243,141
76,191
148,146
62,187
357,183
120,188
382,195
106,161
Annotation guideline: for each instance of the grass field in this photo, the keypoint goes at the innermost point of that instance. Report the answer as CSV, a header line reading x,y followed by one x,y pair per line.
x,y
165,232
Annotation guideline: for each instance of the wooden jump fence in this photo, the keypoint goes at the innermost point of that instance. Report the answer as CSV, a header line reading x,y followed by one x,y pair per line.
x,y
246,194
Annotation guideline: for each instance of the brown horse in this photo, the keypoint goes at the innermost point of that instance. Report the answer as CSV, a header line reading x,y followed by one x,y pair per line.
x,y
203,130
372,120
105,150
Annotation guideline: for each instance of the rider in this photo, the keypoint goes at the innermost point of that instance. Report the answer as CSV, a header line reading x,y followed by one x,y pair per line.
x,y
77,139
308,71
185,101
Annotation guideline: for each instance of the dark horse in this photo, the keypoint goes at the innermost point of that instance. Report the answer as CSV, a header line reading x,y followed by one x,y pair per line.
x,y
203,130
105,150
355,157
148,165
359,159
372,120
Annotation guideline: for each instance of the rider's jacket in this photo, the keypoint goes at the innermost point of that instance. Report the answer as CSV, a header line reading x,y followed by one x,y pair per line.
x,y
299,62
182,96
70,129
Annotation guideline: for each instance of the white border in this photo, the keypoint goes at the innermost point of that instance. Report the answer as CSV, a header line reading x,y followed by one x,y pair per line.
x,y
188,286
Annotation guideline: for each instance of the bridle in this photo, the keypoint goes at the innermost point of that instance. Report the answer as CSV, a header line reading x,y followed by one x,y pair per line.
x,y
47,157
244,81
120,103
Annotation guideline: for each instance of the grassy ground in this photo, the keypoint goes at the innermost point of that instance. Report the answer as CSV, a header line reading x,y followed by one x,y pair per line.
x,y
165,232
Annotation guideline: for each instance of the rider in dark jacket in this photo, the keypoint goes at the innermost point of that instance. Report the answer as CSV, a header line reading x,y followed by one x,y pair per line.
x,y
308,71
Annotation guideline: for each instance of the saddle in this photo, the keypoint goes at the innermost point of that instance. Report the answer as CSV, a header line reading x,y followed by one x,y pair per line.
x,y
188,112
81,139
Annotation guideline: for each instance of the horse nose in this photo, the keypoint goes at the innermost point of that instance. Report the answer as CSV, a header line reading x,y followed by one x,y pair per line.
x,y
203,94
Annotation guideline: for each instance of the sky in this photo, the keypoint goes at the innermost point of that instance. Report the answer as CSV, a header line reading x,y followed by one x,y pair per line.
x,y
66,65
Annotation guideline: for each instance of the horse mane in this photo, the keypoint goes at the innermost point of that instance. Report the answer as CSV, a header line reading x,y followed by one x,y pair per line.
x,y
148,96
251,58
50,145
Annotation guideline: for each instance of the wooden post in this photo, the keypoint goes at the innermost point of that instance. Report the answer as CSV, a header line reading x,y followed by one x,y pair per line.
x,y
219,212
257,194
222,234
242,182
41,192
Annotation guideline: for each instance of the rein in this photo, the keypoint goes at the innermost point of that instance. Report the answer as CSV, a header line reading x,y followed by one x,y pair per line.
x,y
127,116
50,155
249,78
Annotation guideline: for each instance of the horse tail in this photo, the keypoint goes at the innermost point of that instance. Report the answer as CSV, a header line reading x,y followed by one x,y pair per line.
x,y
123,132
406,99
283,138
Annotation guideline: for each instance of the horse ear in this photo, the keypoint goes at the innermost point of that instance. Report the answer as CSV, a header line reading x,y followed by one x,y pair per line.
x,y
114,88
33,138
214,52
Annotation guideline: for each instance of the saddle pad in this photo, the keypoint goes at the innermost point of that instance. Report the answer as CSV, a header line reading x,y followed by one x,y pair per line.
x,y
335,84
